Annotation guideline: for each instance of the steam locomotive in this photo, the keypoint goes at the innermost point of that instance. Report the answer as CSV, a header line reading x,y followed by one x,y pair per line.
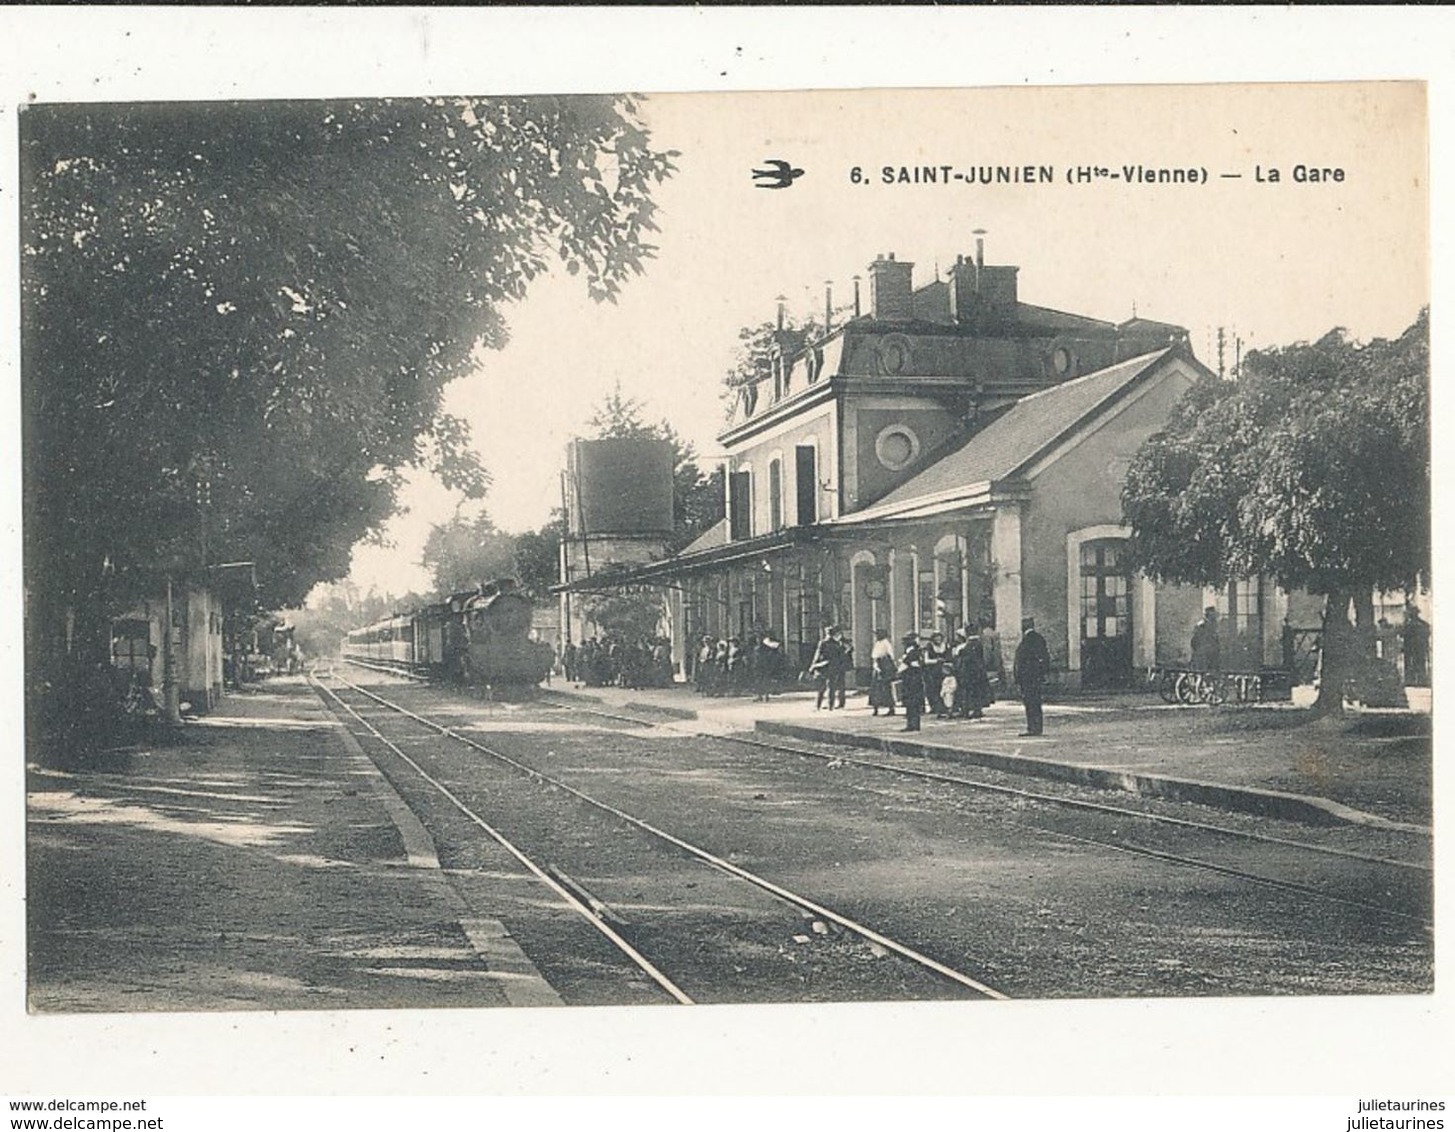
x,y
475,637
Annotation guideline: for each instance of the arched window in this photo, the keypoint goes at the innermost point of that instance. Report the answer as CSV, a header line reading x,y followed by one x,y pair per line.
x,y
867,603
950,554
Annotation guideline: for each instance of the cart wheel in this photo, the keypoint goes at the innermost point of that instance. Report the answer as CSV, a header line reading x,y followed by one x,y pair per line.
x,y
1187,688
1167,687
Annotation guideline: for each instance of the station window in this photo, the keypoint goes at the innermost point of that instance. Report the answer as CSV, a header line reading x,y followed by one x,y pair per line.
x,y
806,457
740,515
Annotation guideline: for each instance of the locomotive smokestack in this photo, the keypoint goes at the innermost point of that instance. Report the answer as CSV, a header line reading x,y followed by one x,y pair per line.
x,y
828,305
856,296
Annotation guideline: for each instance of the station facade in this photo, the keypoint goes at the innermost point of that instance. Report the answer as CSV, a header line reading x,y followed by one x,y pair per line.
x,y
953,455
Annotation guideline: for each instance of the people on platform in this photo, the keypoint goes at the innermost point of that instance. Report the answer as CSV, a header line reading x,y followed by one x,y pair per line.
x,y
994,660
1416,642
959,682
831,662
1206,648
937,667
770,667
705,670
1032,666
1288,647
971,673
912,682
882,668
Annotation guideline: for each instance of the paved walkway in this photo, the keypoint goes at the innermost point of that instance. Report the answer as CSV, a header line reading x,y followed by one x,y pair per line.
x,y
260,860
1368,768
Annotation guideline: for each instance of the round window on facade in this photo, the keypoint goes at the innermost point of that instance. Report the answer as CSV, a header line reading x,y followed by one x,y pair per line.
x,y
896,447
1064,361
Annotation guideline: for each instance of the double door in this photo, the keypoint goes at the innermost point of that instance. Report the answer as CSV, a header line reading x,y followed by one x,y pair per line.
x,y
1106,614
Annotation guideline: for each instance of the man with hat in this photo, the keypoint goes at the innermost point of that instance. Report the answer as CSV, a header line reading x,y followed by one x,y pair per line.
x,y
831,663
1032,664
912,682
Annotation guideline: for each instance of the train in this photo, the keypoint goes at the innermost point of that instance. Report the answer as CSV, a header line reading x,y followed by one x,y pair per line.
x,y
479,637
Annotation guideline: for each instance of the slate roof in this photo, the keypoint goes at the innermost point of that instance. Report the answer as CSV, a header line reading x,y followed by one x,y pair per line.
x,y
715,536
1026,429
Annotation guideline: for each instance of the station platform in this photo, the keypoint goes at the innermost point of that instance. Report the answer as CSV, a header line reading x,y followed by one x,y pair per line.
x,y
1370,768
257,859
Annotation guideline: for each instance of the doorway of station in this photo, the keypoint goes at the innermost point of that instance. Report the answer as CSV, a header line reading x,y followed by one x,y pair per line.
x,y
1106,614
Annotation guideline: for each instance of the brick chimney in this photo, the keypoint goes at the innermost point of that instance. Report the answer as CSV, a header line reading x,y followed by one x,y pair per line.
x,y
964,296
981,296
891,289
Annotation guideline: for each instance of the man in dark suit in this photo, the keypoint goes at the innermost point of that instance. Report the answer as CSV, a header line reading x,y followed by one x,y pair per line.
x,y
912,681
831,663
1032,664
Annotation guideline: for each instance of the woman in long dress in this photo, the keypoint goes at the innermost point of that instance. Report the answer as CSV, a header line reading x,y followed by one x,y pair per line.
x,y
881,673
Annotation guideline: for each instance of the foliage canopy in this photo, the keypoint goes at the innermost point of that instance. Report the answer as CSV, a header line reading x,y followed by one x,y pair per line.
x,y
1312,470
238,318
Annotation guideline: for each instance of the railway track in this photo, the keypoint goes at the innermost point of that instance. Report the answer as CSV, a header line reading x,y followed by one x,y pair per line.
x,y
838,756
580,901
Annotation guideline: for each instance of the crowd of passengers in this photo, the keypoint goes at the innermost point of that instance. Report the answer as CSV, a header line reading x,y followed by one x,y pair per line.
x,y
733,666
610,662
950,678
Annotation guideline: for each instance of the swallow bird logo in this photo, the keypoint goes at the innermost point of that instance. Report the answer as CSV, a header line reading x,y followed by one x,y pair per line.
x,y
776,174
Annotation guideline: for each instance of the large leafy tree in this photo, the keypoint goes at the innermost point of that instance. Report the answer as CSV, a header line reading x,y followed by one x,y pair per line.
x,y
538,556
467,552
237,320
1313,470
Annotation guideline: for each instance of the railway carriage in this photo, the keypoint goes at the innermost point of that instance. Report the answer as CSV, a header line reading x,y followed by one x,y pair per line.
x,y
389,641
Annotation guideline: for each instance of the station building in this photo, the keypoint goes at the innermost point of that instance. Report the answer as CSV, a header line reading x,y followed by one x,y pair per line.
x,y
954,454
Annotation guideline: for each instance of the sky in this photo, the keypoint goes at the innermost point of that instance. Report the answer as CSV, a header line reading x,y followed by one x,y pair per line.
x,y
1271,261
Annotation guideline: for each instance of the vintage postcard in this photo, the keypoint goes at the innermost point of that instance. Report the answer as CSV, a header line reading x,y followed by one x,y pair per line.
x,y
940,550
